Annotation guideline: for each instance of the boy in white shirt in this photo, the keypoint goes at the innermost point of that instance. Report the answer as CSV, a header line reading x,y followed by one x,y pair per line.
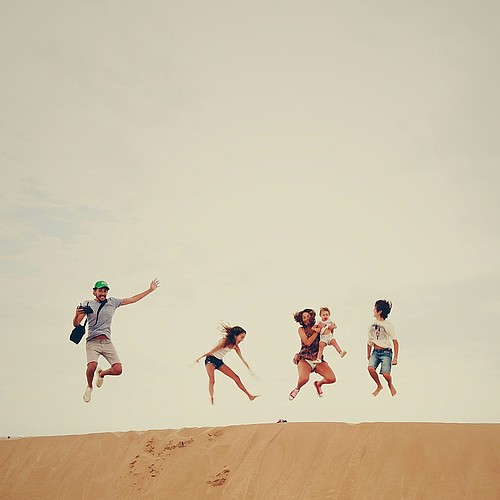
x,y
381,340
326,334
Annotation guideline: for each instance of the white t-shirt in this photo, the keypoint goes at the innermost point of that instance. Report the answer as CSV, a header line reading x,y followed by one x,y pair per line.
x,y
381,333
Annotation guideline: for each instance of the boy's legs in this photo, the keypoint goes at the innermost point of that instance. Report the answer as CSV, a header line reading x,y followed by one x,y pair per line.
x,y
385,358
388,377
372,370
386,370
373,373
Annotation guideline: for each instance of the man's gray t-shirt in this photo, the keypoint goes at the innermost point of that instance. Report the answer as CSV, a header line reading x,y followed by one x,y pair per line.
x,y
103,324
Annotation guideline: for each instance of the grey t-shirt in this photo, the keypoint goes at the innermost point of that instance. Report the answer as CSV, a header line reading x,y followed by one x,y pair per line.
x,y
103,324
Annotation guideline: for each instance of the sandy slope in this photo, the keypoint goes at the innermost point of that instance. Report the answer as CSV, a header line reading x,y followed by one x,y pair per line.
x,y
266,461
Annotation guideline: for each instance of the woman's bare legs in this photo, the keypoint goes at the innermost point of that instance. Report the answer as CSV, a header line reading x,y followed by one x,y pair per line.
x,y
326,372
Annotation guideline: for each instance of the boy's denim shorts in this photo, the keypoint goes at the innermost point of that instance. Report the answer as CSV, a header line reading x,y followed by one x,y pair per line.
x,y
383,356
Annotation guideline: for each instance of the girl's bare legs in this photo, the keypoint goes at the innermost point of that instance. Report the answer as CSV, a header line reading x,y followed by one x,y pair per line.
x,y
211,380
335,344
227,371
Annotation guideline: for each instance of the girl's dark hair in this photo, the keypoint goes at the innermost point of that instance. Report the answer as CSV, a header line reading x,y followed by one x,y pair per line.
x,y
383,307
298,317
230,333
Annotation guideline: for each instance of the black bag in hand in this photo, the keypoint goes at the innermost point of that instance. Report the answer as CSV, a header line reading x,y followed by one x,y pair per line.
x,y
77,333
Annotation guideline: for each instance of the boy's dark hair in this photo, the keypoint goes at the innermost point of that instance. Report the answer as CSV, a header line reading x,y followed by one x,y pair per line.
x,y
230,332
298,316
383,307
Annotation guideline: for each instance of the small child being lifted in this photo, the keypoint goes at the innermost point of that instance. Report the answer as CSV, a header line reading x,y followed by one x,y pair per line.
x,y
326,327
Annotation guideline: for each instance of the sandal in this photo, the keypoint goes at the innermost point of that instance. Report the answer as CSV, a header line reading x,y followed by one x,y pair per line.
x,y
318,389
294,393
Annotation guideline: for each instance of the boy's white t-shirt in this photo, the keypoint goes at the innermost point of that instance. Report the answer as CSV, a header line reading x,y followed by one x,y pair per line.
x,y
381,333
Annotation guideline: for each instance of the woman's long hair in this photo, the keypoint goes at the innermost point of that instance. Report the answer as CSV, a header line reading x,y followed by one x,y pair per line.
x,y
298,317
230,333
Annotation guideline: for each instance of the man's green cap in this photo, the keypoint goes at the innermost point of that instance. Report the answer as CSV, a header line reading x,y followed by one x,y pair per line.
x,y
101,284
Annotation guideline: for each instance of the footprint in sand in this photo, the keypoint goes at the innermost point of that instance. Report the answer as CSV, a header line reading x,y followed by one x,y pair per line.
x,y
220,478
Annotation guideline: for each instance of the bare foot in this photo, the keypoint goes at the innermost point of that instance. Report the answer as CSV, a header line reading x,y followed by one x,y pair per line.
x,y
212,400
251,398
393,390
377,390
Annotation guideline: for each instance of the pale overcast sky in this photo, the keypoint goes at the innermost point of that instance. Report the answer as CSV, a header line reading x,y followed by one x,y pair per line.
x,y
258,158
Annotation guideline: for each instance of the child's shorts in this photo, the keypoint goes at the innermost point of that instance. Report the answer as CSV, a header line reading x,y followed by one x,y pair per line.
x,y
381,356
326,337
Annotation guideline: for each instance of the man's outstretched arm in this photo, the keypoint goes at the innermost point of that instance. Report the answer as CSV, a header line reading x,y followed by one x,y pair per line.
x,y
131,300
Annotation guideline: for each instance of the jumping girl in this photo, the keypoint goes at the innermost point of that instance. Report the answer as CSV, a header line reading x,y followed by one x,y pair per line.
x,y
232,337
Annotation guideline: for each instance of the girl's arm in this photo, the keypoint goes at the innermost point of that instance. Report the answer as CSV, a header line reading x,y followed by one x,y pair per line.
x,y
219,345
303,337
238,352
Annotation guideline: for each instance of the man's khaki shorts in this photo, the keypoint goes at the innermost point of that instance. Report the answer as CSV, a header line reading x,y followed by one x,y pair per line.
x,y
99,347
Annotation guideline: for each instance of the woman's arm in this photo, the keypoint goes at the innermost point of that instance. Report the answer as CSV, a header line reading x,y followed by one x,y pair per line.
x,y
219,345
307,340
238,352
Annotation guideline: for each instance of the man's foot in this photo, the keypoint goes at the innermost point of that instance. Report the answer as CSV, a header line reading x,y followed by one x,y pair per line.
x,y
294,393
251,397
318,388
343,353
87,395
393,390
316,361
100,380
377,390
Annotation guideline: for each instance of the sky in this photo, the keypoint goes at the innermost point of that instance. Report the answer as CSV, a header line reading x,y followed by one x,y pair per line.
x,y
257,158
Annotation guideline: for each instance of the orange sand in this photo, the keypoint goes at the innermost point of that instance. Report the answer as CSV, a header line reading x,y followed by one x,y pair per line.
x,y
263,461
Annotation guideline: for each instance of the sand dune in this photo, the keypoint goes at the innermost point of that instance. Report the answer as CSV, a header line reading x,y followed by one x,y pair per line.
x,y
264,461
